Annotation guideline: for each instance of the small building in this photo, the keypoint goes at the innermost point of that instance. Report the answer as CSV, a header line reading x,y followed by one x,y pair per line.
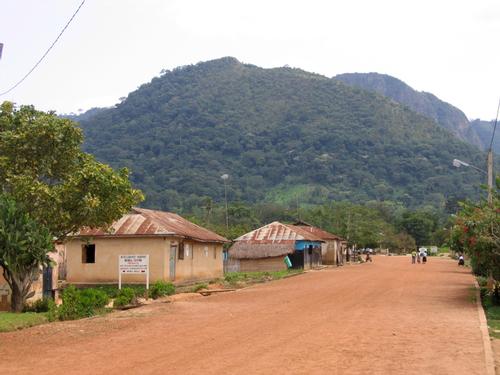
x,y
178,250
265,249
333,249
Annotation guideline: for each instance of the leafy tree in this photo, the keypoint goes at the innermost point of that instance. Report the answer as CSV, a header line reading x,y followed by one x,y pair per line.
x,y
61,187
58,187
420,225
24,248
477,232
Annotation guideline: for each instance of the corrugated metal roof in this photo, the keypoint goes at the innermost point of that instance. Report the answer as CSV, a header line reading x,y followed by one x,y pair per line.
x,y
319,232
144,222
279,233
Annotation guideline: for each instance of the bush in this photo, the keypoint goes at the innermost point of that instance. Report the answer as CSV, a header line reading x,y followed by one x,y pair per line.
x,y
112,290
161,288
38,306
53,311
479,267
125,296
81,303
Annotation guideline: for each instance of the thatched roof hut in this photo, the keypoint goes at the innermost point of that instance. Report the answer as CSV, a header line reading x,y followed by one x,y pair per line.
x,y
265,248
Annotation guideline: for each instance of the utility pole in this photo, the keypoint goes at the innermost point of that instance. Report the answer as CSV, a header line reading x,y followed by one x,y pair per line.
x,y
225,176
490,177
298,207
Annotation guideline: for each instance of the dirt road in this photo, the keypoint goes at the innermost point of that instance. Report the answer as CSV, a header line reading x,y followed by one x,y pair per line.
x,y
388,317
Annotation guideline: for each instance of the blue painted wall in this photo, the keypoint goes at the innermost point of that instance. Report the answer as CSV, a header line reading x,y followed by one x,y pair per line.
x,y
301,245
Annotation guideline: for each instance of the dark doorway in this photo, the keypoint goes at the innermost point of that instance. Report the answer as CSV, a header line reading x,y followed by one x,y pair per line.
x,y
48,290
297,259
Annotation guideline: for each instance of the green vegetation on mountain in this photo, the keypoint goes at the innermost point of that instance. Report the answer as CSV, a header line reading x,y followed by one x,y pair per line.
x,y
477,133
444,114
484,129
282,135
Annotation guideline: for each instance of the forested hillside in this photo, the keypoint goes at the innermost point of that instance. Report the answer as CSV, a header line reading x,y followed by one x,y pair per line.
x,y
281,134
484,129
447,116
477,133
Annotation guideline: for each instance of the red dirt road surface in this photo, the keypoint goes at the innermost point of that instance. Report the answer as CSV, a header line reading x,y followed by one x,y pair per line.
x,y
387,317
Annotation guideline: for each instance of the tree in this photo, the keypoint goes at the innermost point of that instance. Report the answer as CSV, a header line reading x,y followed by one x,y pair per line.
x,y
59,188
477,232
419,224
43,168
24,248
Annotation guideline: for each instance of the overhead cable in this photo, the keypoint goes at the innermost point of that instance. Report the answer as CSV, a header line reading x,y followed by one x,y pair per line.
x,y
45,54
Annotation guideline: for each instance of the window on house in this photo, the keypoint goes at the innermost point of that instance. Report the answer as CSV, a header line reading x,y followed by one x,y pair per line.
x,y
205,249
187,248
215,251
181,250
88,253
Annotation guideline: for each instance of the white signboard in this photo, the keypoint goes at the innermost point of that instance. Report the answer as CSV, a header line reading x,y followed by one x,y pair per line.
x,y
133,264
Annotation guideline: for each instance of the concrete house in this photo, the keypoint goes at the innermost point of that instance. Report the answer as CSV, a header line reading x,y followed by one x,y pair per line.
x,y
178,249
333,249
265,249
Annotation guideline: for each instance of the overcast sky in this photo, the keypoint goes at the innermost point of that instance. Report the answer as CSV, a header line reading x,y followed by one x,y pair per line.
x,y
450,48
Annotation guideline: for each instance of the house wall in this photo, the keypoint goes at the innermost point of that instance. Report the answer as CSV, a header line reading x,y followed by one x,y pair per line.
x,y
197,263
263,264
330,251
201,261
4,294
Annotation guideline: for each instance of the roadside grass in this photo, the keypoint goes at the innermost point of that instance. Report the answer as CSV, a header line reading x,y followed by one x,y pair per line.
x,y
493,316
13,321
491,310
236,279
112,289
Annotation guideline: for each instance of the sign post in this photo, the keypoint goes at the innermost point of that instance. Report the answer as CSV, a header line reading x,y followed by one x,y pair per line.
x,y
133,264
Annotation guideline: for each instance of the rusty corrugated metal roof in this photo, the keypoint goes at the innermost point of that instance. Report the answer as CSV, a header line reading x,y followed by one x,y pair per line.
x,y
144,222
319,232
278,233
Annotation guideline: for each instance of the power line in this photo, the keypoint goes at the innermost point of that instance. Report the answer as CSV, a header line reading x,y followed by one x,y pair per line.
x,y
46,52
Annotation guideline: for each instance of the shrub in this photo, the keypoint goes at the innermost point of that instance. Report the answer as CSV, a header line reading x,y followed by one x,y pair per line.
x,y
125,296
112,290
161,288
53,311
81,303
38,306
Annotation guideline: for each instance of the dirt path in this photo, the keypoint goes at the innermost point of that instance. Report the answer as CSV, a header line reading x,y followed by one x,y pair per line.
x,y
388,317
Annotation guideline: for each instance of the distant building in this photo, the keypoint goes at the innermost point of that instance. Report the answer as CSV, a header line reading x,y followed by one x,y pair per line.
x,y
265,249
334,247
178,249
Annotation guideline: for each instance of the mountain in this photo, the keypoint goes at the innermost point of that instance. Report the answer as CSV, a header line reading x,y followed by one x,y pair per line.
x,y
281,135
446,115
484,129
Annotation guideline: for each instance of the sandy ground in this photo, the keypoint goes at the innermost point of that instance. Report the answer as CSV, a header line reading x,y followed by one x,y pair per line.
x,y
495,344
387,317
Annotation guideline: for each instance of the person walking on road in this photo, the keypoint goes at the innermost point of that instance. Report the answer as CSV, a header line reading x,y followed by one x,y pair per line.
x,y
413,256
418,257
423,255
461,261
